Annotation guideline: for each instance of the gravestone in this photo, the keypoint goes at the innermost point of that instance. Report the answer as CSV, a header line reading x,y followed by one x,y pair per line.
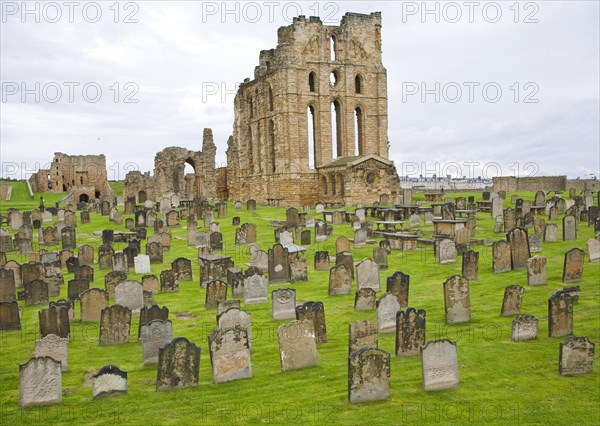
x,y
569,228
445,251
470,265
7,285
109,380
183,269
574,292
141,264
216,291
32,271
68,238
10,318
235,280
168,281
457,303
255,289
365,299
85,253
340,280
593,246
360,239
54,347
367,275
380,256
76,287
236,318
387,306
576,356
105,257
154,250
320,231
535,243
398,285
54,320
342,244
511,303
368,375
40,382
501,257
115,323
573,266
119,262
519,247
524,327
550,233
111,280
539,226
345,258
560,314
315,312
536,270
227,304
153,335
440,365
410,332
216,241
91,303
283,304
72,264
36,293
229,355
129,294
297,345
150,283
178,365
321,261
279,265
362,334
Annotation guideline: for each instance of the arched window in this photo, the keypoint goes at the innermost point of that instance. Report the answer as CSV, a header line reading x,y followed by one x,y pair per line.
x,y
357,84
311,82
310,118
359,148
336,129
270,98
332,48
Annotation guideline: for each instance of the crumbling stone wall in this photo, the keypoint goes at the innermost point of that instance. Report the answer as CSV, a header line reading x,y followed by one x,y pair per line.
x,y
275,151
529,184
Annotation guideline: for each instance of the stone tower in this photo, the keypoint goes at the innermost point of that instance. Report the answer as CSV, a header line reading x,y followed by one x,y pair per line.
x,y
312,124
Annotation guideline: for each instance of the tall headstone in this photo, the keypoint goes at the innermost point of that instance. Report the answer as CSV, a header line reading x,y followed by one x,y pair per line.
x,y
457,302
560,314
297,345
536,270
387,306
40,382
315,312
410,332
115,322
573,266
519,247
340,280
501,257
368,375
440,365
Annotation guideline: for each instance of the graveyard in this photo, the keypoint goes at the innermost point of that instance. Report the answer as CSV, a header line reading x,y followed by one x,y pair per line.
x,y
454,316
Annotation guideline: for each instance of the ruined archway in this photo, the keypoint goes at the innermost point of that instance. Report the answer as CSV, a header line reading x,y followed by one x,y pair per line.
x,y
84,198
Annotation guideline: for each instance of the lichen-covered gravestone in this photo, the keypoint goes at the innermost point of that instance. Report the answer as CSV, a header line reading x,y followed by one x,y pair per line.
x,y
365,299
398,285
560,314
511,303
40,382
178,365
536,270
315,312
410,332
115,323
457,302
440,365
55,347
576,356
297,345
362,334
340,280
368,375
229,354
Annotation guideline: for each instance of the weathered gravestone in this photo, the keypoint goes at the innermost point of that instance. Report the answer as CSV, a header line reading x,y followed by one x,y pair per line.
x,y
365,299
91,304
345,258
10,319
524,327
410,332
178,365
36,293
129,294
111,280
224,305
183,268
115,323
470,265
439,365
380,256
55,347
511,303
279,265
576,356
501,257
283,304
457,303
109,380
216,291
229,354
573,266
236,318
75,287
105,257
560,314
255,289
387,306
54,320
153,335
368,375
550,233
119,262
68,238
342,244
445,251
7,285
536,270
569,228
535,243
235,280
362,334
367,275
398,285
321,261
315,312
340,280
297,345
593,246
519,247
40,382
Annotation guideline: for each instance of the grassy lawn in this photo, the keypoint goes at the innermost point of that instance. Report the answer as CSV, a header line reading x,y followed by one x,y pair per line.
x,y
501,382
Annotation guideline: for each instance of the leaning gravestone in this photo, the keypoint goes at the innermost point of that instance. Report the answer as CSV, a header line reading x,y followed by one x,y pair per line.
x,y
178,365
229,355
439,365
340,280
560,314
573,266
283,304
297,345
457,301
153,336
55,347
115,322
524,327
365,299
387,306
362,334
368,375
511,304
576,356
109,380
315,312
410,332
40,382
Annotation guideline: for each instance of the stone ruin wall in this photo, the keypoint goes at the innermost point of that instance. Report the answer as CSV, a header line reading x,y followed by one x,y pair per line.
x,y
529,184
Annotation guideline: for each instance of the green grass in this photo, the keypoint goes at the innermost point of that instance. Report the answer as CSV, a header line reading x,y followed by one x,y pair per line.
x,y
501,382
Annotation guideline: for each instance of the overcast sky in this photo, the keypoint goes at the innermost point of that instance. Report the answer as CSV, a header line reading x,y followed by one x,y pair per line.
x,y
517,87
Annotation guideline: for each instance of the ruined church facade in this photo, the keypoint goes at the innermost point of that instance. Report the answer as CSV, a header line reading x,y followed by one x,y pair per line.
x,y
312,124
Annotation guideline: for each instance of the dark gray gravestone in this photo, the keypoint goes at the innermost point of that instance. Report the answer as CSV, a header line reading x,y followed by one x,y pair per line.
x,y
380,256
216,291
54,320
168,281
7,285
183,268
151,313
368,375
76,287
111,280
398,285
321,260
279,265
105,257
410,332
511,303
470,265
315,312
10,318
560,315
362,334
115,323
178,365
